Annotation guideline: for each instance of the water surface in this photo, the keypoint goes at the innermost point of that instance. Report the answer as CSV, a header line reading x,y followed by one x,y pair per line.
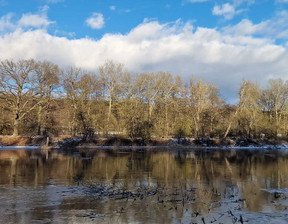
x,y
143,186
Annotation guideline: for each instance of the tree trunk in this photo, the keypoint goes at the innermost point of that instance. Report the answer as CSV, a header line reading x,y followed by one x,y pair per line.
x,y
106,128
150,108
228,129
16,125
39,131
110,108
211,129
277,118
196,123
230,124
166,121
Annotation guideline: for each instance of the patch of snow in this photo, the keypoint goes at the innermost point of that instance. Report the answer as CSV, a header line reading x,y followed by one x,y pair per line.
x,y
279,191
18,147
252,147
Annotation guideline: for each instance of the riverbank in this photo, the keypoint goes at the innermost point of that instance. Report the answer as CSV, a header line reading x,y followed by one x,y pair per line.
x,y
121,142
126,143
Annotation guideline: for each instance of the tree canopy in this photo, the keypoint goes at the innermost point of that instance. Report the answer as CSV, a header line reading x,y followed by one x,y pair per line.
x,y
38,97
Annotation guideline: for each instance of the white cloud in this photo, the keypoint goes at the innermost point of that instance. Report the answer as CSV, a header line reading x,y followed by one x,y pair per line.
x,y
274,28
96,21
222,57
227,10
112,7
282,1
246,27
6,23
28,20
34,20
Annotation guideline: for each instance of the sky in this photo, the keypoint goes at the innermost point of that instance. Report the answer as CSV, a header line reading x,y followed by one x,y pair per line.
x,y
223,42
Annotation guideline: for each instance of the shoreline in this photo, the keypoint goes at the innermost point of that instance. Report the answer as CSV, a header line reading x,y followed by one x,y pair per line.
x,y
122,143
170,147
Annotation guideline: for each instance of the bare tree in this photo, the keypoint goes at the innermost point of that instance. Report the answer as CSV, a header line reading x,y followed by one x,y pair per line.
x,y
47,81
274,101
212,115
200,101
249,110
148,90
71,81
80,88
113,77
169,88
19,88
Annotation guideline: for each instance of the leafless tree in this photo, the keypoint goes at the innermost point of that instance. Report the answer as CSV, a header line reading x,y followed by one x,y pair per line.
x,y
19,88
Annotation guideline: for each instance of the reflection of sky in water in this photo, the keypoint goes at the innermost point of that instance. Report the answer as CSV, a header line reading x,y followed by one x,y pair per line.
x,y
146,183
176,186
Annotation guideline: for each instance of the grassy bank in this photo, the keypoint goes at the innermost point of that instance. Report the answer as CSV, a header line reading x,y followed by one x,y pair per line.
x,y
200,142
69,141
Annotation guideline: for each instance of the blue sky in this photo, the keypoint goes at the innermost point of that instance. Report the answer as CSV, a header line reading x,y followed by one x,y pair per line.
x,y
120,16
223,42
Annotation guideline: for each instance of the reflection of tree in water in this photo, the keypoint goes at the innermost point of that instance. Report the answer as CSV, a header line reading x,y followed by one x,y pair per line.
x,y
187,182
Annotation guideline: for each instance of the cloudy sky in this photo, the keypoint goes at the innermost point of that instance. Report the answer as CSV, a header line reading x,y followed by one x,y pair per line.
x,y
223,41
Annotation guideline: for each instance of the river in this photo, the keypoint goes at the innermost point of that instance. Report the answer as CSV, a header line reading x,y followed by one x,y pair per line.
x,y
143,186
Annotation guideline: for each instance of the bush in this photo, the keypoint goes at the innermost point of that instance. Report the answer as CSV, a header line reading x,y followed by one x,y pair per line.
x,y
140,129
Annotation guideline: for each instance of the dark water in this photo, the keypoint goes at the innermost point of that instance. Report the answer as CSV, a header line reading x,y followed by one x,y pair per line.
x,y
159,186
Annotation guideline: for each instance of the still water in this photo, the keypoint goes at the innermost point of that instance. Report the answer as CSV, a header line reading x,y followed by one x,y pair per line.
x,y
147,186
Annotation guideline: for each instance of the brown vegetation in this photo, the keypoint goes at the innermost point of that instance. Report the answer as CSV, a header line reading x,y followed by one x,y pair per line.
x,y
39,98
7,140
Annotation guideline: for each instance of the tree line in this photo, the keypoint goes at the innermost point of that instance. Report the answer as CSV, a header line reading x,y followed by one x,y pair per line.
x,y
40,98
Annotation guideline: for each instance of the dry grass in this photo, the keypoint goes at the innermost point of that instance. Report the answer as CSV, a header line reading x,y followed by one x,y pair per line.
x,y
7,140
11,140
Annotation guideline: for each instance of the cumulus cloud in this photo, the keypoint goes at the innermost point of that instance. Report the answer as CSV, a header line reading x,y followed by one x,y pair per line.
x,y
6,23
222,57
96,21
274,28
34,20
227,10
28,20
